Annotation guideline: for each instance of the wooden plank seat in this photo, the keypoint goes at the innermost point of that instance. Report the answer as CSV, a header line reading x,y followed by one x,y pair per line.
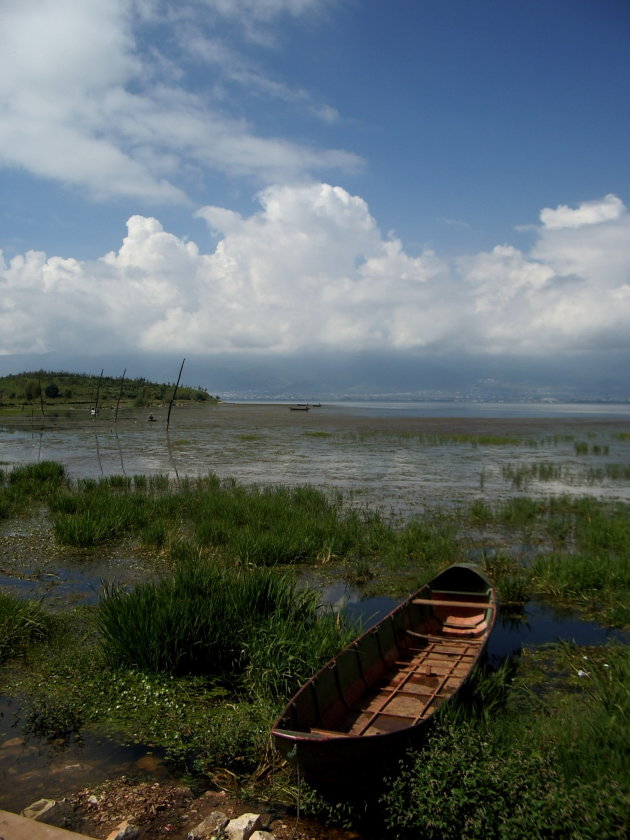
x,y
440,640
330,733
451,630
438,602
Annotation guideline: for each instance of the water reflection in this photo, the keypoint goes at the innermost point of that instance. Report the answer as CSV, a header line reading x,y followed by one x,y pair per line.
x,y
536,623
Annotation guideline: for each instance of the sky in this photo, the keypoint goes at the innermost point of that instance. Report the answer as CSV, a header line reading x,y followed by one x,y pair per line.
x,y
270,177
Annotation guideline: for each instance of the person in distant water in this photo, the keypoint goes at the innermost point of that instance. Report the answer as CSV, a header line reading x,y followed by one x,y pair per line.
x,y
151,418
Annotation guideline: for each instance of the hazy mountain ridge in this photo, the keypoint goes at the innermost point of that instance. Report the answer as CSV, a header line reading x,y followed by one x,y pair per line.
x,y
364,376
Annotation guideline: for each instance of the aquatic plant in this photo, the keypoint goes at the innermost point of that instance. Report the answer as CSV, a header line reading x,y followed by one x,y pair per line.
x,y
21,623
212,619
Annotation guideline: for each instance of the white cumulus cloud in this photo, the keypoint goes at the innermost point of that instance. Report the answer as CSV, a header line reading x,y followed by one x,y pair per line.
x,y
588,213
310,268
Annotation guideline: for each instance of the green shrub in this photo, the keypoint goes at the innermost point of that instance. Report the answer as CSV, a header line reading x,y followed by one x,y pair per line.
x,y
466,787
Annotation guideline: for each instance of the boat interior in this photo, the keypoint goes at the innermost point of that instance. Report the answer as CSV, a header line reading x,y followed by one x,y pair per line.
x,y
397,675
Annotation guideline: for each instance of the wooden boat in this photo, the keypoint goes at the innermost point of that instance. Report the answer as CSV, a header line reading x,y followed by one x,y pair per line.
x,y
300,407
382,691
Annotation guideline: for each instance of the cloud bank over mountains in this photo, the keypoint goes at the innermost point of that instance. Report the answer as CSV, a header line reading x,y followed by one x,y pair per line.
x,y
311,269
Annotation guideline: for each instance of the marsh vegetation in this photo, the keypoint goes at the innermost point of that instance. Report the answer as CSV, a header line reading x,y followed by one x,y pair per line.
x,y
197,657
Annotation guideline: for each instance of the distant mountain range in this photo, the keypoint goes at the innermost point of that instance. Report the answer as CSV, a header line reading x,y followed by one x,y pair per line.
x,y
587,377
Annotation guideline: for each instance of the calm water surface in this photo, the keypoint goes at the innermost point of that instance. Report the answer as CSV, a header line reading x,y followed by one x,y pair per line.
x,y
398,457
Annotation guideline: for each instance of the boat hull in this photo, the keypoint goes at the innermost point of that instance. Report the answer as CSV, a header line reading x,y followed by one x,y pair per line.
x,y
381,693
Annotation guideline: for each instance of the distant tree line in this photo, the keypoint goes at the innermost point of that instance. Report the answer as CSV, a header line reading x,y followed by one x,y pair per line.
x,y
31,386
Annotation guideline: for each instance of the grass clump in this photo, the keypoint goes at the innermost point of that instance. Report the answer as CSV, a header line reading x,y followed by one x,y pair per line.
x,y
220,621
23,485
21,624
599,586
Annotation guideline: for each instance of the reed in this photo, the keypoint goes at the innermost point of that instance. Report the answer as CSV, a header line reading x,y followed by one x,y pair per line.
x,y
21,623
208,618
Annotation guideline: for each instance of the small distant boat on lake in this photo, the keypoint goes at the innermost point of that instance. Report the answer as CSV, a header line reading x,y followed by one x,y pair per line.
x,y
300,407
383,690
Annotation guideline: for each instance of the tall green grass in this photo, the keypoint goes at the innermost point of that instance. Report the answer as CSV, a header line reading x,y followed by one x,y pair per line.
x,y
21,623
252,624
23,485
96,512
264,526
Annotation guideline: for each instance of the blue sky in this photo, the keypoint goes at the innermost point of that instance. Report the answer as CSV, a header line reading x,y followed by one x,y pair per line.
x,y
263,175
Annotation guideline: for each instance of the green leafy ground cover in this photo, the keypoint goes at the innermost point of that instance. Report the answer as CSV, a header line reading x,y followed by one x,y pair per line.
x,y
538,749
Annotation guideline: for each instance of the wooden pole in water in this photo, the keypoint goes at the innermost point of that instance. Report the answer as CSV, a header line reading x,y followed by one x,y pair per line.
x,y
170,405
122,379
98,388
41,395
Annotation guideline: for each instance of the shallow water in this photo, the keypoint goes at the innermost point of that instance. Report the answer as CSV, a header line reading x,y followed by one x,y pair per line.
x,y
33,768
397,458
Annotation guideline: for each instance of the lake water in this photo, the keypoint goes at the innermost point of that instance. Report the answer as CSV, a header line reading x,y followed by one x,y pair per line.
x,y
398,457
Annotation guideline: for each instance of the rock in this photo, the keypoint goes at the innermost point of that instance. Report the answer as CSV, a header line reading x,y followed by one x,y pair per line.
x,y
124,831
243,827
13,742
60,815
69,768
37,809
261,835
213,823
150,764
